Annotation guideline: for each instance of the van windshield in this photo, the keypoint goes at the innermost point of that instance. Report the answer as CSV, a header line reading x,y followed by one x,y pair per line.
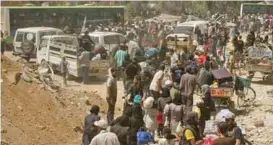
x,y
183,29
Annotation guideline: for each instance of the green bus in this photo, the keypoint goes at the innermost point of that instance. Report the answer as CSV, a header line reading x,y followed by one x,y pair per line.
x,y
255,8
58,16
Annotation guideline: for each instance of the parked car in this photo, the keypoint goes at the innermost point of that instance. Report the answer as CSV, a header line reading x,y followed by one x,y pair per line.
x,y
27,40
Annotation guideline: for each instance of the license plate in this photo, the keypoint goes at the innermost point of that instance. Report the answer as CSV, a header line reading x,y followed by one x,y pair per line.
x,y
221,92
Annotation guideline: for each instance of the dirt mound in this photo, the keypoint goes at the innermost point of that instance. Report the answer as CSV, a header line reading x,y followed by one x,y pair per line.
x,y
32,115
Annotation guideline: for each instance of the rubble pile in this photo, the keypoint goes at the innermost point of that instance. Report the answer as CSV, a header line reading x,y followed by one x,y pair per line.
x,y
258,122
34,115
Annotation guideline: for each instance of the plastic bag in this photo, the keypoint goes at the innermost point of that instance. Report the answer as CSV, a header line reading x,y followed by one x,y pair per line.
x,y
210,127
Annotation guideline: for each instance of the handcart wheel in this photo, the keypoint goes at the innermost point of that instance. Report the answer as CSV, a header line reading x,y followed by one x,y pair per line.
x,y
247,95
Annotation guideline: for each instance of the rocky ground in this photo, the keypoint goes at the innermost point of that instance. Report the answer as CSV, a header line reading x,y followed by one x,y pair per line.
x,y
33,115
257,117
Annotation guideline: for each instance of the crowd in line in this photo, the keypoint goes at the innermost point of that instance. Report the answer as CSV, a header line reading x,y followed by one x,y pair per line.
x,y
158,100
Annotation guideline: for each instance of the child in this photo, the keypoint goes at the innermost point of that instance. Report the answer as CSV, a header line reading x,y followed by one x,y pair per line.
x,y
169,138
64,70
162,101
222,128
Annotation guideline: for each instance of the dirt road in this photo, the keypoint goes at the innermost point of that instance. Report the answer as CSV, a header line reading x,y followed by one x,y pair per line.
x,y
34,116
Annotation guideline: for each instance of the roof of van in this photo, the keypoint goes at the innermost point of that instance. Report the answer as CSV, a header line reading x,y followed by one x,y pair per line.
x,y
101,33
191,23
36,29
55,36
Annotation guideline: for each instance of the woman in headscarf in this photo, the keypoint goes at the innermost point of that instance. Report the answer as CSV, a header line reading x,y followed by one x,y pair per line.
x,y
208,101
136,122
149,118
175,113
121,129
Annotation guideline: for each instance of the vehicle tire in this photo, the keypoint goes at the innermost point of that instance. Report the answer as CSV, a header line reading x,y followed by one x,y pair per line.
x,y
248,95
27,47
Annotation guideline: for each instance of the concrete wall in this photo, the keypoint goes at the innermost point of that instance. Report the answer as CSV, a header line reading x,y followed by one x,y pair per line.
x,y
5,20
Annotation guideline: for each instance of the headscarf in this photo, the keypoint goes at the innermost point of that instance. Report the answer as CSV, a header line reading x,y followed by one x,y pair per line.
x,y
148,103
137,99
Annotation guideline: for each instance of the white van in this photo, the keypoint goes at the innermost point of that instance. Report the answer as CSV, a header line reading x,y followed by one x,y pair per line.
x,y
107,39
53,47
183,30
27,40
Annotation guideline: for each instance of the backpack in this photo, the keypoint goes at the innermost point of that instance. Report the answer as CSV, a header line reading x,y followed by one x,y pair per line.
x,y
91,131
177,75
143,137
184,141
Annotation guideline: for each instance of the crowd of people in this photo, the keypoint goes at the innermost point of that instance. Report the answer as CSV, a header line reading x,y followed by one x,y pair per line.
x,y
159,92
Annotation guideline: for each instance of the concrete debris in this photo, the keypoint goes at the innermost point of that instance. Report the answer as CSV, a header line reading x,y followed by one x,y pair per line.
x,y
78,129
4,131
4,71
20,108
259,124
4,142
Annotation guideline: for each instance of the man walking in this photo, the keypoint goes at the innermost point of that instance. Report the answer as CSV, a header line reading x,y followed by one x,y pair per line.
x,y
156,86
84,60
64,70
111,97
187,86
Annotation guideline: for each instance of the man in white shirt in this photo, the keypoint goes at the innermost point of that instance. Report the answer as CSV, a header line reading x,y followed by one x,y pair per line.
x,y
174,58
104,137
156,86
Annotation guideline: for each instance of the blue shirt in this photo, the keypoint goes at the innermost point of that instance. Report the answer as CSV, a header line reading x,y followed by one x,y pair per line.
x,y
151,51
119,57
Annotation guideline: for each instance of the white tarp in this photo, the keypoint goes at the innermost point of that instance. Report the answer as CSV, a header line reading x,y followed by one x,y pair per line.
x,y
164,18
193,18
259,51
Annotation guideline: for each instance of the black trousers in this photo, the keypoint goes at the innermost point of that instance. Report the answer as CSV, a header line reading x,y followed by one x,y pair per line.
x,y
111,111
